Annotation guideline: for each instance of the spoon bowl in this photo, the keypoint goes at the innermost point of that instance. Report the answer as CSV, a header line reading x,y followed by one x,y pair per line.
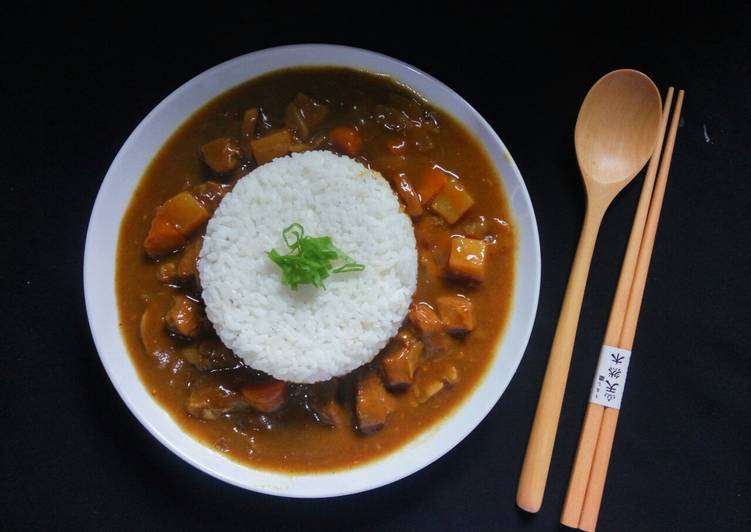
x,y
617,127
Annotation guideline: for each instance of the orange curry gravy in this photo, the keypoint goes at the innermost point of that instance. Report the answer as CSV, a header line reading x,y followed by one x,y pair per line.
x,y
402,137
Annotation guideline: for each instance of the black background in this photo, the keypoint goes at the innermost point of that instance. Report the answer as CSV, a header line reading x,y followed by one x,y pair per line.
x,y
73,457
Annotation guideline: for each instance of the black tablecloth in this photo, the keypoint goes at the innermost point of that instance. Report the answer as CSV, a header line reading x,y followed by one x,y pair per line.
x,y
74,457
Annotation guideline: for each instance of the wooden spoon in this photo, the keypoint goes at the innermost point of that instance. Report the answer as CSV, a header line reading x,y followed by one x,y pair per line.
x,y
615,135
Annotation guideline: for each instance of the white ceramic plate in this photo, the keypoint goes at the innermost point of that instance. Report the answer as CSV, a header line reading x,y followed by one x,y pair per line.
x,y
99,275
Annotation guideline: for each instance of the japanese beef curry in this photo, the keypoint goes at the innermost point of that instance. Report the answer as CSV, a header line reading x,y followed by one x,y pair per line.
x,y
445,183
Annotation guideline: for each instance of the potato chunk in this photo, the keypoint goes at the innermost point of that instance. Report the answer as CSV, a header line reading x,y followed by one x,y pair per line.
x,y
272,145
347,140
467,258
452,202
184,212
222,154
456,313
174,221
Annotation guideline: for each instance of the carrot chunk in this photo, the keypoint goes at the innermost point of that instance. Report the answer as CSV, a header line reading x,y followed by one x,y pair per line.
x,y
265,397
346,139
163,238
467,257
452,202
430,183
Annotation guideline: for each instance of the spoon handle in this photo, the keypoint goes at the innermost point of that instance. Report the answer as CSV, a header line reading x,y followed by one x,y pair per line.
x,y
545,425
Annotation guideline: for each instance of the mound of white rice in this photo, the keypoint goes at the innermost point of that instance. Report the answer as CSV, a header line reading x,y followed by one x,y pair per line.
x,y
308,335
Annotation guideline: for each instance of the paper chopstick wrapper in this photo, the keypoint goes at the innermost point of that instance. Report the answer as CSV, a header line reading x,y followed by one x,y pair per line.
x,y
610,377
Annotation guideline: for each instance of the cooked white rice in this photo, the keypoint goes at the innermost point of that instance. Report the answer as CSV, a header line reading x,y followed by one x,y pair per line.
x,y
308,335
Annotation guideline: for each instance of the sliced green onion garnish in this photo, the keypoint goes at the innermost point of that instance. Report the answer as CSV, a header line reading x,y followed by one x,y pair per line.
x,y
310,260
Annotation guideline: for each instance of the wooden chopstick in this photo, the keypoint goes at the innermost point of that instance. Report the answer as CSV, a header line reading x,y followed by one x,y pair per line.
x,y
596,485
577,486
